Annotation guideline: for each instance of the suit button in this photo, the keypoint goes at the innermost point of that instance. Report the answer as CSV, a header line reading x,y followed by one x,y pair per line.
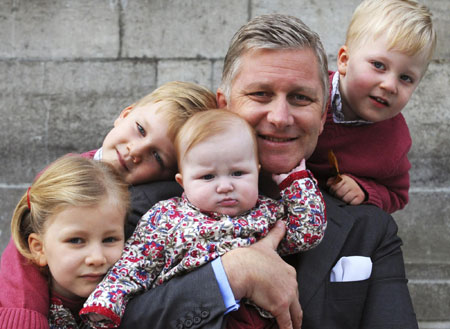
x,y
188,323
197,320
204,314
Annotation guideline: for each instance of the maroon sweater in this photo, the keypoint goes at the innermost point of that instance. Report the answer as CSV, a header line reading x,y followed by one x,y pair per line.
x,y
375,155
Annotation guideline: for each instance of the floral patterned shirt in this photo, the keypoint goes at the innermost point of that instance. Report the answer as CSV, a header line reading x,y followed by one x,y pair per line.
x,y
175,237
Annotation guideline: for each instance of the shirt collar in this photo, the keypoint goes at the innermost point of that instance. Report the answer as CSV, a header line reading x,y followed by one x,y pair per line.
x,y
98,155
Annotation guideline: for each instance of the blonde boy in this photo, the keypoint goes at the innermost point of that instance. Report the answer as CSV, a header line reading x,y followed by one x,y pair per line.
x,y
388,48
140,147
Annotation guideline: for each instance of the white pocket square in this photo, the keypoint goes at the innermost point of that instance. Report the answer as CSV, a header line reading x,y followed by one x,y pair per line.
x,y
351,268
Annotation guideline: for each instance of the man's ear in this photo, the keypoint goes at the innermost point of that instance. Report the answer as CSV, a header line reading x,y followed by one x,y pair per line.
x,y
179,179
36,246
322,120
342,60
123,114
221,99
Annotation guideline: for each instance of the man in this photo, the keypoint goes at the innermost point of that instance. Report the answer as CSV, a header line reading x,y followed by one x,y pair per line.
x,y
275,76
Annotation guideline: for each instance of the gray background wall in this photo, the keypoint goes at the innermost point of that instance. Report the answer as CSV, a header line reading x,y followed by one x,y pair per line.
x,y
67,68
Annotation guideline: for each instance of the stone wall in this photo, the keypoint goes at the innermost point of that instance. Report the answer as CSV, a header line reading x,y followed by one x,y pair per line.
x,y
68,67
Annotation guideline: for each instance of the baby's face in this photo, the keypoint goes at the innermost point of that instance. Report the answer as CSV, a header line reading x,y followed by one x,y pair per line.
x,y
377,83
220,174
139,146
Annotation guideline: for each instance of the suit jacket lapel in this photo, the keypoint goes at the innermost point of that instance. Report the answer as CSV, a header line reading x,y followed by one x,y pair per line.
x,y
314,265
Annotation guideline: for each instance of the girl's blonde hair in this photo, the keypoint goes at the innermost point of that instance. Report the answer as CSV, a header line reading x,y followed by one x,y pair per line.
x,y
204,125
69,181
407,25
182,100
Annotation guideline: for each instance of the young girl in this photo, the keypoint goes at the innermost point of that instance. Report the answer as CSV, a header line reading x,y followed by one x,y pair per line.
x,y
70,225
140,147
220,211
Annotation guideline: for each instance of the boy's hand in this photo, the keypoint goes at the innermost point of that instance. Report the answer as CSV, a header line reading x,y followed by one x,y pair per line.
x,y
347,190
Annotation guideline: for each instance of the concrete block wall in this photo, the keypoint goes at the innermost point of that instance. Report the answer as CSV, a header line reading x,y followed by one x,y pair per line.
x,y
68,67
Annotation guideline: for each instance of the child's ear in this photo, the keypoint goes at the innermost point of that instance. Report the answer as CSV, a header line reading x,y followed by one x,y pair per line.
x,y
221,99
36,246
342,60
179,179
123,114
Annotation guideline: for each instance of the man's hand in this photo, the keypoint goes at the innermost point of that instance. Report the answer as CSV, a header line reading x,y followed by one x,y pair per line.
x,y
259,273
347,190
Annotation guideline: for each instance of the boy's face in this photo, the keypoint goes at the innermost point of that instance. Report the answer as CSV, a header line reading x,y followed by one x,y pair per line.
x,y
79,245
220,174
139,147
376,83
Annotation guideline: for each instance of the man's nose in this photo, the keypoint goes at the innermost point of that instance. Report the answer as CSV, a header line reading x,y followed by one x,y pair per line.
x,y
280,114
389,83
224,185
96,256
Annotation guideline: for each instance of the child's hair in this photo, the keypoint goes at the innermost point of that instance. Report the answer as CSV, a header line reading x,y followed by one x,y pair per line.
x,y
183,99
406,23
71,180
206,124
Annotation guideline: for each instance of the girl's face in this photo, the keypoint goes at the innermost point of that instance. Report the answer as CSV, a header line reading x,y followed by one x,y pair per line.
x,y
79,245
220,174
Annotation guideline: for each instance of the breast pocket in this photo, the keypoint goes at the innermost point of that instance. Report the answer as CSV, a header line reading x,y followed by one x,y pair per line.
x,y
346,302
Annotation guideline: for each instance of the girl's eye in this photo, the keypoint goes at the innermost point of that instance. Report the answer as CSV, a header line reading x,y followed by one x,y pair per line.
x,y
208,177
237,173
109,239
406,78
378,65
140,129
75,240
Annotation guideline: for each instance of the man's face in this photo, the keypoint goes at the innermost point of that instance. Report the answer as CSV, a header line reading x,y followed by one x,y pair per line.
x,y
279,93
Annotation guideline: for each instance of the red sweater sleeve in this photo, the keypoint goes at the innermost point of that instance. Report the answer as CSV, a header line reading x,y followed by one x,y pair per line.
x,y
24,297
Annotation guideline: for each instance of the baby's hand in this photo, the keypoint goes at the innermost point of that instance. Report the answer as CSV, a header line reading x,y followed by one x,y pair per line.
x,y
347,190
94,317
278,178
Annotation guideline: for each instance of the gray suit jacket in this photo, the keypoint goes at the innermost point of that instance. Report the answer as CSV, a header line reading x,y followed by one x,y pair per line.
x,y
382,301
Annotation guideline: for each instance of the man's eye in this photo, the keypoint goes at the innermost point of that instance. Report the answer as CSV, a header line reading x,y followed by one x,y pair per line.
x,y
207,177
140,129
299,99
406,78
378,65
259,96
237,173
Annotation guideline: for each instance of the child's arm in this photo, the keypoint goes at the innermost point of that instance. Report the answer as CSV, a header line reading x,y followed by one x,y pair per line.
x,y
141,262
24,299
304,211
389,193
346,189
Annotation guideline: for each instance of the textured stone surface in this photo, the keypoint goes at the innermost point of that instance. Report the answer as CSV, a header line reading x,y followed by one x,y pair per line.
x,y
69,67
